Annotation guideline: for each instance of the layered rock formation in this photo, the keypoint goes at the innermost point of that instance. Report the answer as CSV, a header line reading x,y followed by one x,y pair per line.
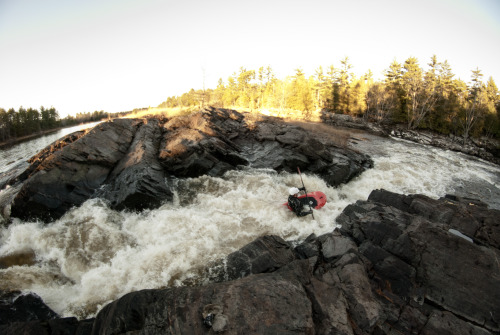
x,y
130,162
399,265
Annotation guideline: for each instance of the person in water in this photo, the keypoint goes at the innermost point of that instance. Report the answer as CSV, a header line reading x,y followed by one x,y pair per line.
x,y
294,202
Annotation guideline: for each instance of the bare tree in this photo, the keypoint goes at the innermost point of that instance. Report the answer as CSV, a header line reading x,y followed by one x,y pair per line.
x,y
421,94
473,104
380,102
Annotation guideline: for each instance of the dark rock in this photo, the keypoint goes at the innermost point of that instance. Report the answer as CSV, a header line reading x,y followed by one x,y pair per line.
x,y
16,307
28,314
265,254
64,326
69,176
309,248
130,162
201,143
330,310
415,258
335,245
138,181
267,303
284,147
446,323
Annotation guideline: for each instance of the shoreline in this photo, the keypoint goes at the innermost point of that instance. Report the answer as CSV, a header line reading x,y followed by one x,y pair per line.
x,y
17,140
487,149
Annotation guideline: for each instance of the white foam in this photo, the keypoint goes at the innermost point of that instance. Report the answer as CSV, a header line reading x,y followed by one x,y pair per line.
x,y
94,254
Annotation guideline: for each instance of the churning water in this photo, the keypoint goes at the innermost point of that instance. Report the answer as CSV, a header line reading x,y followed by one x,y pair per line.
x,y
94,254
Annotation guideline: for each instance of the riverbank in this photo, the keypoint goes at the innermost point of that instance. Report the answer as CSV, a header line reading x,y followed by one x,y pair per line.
x,y
486,148
18,140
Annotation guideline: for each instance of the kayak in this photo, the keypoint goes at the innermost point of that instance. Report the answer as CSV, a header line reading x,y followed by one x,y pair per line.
x,y
316,199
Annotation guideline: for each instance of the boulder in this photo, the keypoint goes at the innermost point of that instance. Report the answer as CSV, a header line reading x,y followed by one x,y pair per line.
x,y
18,307
265,254
416,258
69,326
65,177
258,304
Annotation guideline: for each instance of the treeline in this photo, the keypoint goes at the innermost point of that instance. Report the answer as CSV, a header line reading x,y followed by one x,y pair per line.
x,y
23,122
421,99
86,117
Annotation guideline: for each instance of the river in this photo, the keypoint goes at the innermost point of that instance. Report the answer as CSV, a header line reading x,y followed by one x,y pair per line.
x,y
19,153
93,254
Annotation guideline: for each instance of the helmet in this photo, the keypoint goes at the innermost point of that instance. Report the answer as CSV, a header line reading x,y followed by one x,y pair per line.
x,y
293,191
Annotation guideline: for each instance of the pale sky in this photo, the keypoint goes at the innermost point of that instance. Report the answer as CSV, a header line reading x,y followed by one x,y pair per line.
x,y
116,55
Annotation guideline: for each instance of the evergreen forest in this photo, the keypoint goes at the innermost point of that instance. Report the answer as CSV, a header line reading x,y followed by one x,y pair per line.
x,y
23,122
408,94
28,121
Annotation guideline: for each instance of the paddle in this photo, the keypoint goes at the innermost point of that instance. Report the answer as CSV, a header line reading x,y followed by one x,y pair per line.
x,y
298,169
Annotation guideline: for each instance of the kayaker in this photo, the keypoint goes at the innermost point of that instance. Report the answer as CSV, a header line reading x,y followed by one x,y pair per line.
x,y
294,202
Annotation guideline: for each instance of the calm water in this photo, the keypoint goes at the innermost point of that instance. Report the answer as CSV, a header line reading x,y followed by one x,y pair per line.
x,y
19,153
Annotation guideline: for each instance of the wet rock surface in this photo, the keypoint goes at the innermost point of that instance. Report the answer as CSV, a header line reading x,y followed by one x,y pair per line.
x,y
131,162
395,267
17,307
60,178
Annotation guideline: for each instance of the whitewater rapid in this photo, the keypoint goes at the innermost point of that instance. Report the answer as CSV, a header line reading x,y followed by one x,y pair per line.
x,y
94,255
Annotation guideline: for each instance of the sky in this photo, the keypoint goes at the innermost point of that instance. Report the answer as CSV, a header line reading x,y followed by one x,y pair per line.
x,y
117,55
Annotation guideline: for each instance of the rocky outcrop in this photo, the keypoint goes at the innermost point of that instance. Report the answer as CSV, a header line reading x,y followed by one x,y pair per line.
x,y
202,143
62,177
284,147
399,265
16,307
28,314
431,256
138,180
131,162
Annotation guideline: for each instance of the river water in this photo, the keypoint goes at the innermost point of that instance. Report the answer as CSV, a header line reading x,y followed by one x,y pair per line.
x,y
19,153
94,255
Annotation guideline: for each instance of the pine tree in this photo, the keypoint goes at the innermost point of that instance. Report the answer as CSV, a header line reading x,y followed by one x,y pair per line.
x,y
320,89
342,89
300,97
419,91
441,118
218,94
393,87
492,118
245,92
